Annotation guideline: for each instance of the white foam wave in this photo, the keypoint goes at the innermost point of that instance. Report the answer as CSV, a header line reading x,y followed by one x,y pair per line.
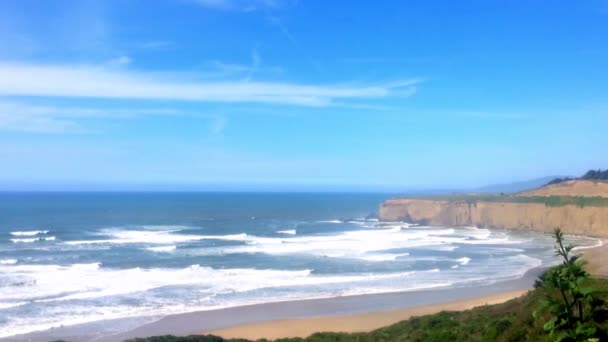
x,y
24,240
288,232
330,221
162,249
156,236
8,305
84,284
91,282
8,261
383,256
50,283
29,232
463,260
36,239
597,243
366,244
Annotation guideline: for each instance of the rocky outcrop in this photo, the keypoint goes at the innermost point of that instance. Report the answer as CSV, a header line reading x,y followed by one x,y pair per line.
x,y
588,220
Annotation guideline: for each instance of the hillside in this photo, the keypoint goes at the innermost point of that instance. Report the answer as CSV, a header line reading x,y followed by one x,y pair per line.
x,y
577,206
572,188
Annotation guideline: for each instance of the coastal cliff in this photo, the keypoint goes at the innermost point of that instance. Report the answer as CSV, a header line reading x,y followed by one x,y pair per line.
x,y
591,221
576,214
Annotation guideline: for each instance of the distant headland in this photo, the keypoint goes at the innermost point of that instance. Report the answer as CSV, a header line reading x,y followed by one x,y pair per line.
x,y
576,205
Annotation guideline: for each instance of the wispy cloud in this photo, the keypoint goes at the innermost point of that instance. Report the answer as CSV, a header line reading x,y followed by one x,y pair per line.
x,y
23,117
243,5
100,81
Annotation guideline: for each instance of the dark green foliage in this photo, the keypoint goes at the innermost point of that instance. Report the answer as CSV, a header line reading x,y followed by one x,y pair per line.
x,y
559,180
590,175
596,175
572,307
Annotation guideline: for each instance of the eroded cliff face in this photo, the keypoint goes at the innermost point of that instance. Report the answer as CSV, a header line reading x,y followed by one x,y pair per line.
x,y
590,221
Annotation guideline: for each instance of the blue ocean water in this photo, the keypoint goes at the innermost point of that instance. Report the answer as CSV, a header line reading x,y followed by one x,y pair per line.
x,y
70,258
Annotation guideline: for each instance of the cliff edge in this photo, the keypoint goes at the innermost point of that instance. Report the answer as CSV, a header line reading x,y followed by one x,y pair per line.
x,y
582,211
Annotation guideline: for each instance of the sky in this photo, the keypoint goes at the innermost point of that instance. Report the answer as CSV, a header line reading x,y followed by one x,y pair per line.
x,y
299,95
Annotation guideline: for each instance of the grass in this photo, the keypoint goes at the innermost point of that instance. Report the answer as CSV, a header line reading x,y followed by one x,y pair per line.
x,y
551,201
511,321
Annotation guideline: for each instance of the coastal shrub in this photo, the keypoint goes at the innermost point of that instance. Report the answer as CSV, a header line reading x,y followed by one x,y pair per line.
x,y
575,307
589,175
596,175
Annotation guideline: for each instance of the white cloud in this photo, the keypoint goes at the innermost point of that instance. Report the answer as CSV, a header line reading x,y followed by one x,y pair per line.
x,y
18,79
23,117
242,5
23,122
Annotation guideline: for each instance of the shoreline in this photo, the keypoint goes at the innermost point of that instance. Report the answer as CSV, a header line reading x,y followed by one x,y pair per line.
x,y
273,315
300,318
304,327
206,322
365,322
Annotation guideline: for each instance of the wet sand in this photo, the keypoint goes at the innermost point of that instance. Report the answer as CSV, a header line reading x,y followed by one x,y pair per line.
x,y
303,327
597,260
304,317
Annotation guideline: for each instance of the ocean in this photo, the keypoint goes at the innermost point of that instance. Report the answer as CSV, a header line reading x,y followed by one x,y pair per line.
x,y
72,258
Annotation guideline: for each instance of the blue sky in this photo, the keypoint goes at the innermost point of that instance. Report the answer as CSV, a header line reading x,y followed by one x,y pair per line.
x,y
312,95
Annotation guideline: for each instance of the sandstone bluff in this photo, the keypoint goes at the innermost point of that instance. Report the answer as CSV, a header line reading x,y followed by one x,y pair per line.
x,y
577,207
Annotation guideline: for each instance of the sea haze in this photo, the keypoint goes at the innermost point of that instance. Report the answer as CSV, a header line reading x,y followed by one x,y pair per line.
x,y
70,258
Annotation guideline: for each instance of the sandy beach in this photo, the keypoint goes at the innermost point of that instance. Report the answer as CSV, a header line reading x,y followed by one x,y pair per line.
x,y
597,260
304,327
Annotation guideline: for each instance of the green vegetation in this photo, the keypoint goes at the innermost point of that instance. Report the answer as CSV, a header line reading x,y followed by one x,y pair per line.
x,y
552,201
576,311
590,175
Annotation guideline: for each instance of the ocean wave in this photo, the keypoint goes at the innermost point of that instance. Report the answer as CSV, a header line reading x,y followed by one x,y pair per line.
x,y
88,286
162,249
463,260
228,283
367,244
35,239
8,261
154,236
51,283
383,256
7,305
288,232
29,232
